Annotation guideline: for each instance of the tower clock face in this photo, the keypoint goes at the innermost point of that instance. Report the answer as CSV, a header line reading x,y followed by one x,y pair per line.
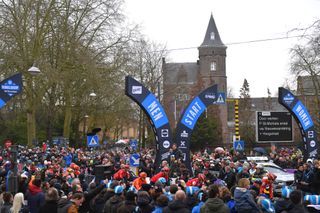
x,y
212,35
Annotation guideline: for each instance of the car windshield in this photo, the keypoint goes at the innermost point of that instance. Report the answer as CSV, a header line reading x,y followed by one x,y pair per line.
x,y
274,170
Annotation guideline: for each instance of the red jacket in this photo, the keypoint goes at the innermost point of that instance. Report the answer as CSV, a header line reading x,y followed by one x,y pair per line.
x,y
266,187
122,173
194,182
156,177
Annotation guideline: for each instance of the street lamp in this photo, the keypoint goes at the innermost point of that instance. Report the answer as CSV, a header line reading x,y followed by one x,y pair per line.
x,y
31,120
34,70
93,94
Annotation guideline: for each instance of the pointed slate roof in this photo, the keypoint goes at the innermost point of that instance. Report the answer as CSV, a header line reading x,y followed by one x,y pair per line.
x,y
212,39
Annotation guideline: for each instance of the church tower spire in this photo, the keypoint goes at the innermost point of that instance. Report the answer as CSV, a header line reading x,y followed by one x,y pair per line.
x,y
212,36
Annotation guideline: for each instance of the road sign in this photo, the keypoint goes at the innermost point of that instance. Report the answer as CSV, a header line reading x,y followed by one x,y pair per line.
x,y
238,145
274,127
93,141
221,98
134,160
134,144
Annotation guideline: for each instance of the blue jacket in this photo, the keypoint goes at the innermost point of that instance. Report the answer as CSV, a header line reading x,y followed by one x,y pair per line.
x,y
35,201
158,209
196,209
244,201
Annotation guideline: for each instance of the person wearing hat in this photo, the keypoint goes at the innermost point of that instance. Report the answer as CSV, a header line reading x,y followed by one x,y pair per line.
x,y
267,206
198,181
266,186
164,173
284,203
115,201
137,183
202,197
122,173
191,199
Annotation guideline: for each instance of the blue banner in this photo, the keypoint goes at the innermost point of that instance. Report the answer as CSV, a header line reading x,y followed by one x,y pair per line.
x,y
10,87
193,112
155,110
302,114
303,118
190,117
156,115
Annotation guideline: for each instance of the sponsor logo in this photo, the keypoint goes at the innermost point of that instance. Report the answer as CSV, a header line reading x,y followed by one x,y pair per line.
x,y
166,144
10,88
313,153
288,99
184,134
165,155
136,90
210,96
312,143
164,133
310,134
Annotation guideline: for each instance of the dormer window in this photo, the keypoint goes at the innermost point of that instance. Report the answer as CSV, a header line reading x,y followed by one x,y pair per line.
x,y
213,66
212,35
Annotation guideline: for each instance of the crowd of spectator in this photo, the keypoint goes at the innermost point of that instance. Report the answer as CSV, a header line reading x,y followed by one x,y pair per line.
x,y
63,180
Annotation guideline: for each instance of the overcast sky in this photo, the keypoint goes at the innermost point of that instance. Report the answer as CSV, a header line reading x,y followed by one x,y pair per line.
x,y
183,24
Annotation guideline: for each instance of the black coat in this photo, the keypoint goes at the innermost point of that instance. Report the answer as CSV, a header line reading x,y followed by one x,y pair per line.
x,y
49,207
85,207
176,206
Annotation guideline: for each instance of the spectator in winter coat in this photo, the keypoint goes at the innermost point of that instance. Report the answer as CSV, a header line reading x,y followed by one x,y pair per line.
x,y
191,199
18,204
316,178
144,202
202,197
51,201
298,174
129,204
35,196
72,205
161,203
296,199
284,203
115,201
7,203
177,205
245,202
214,204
